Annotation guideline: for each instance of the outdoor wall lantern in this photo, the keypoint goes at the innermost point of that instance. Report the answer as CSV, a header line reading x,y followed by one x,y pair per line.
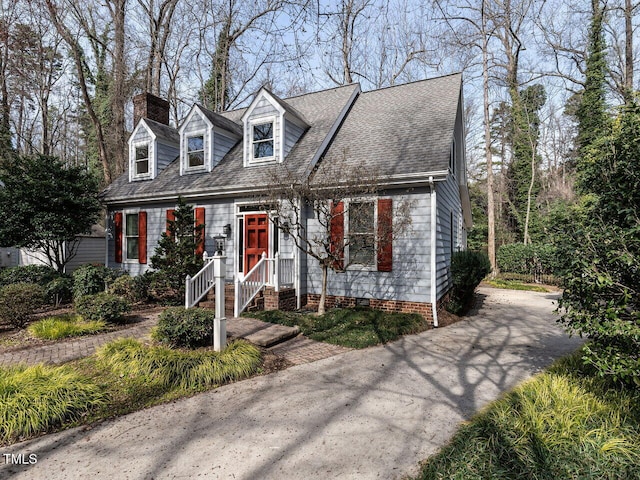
x,y
219,243
227,229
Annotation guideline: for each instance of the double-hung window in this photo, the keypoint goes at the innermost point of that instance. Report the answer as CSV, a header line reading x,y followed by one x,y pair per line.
x,y
362,233
132,236
142,159
262,139
195,151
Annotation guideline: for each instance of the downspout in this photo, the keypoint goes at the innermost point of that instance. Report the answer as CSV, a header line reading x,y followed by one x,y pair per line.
x,y
434,232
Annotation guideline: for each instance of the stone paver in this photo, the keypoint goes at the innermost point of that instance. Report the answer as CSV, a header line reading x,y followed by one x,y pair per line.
x,y
65,351
297,350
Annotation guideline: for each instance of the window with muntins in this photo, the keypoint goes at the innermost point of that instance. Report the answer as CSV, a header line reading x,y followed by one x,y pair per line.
x,y
362,233
263,140
142,160
131,237
195,151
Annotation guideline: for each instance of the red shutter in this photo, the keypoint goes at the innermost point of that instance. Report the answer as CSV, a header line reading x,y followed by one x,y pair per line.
x,y
142,237
117,224
200,221
385,235
336,234
171,216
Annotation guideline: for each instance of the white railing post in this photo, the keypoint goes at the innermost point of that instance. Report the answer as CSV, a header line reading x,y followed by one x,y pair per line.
x,y
236,300
276,272
187,292
220,321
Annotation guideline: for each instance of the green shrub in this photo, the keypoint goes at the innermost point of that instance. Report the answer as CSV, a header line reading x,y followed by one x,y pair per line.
x,y
91,279
536,260
62,326
59,290
36,399
180,327
40,274
19,301
134,289
102,307
183,369
467,271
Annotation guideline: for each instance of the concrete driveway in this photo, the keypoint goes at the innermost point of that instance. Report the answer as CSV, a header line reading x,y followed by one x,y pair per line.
x,y
372,413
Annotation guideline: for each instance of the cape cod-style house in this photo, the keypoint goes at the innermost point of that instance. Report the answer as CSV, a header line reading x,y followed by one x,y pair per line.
x,y
412,135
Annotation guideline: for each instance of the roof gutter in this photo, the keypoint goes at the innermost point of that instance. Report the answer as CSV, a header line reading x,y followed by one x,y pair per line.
x,y
434,271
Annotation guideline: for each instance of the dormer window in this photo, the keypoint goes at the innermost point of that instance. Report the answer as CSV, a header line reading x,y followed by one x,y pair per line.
x,y
263,141
142,159
195,153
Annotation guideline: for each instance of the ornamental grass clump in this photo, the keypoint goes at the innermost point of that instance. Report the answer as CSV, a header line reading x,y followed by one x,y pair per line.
x,y
39,398
62,326
170,368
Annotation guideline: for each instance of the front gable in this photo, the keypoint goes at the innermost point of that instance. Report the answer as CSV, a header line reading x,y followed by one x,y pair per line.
x,y
142,150
270,129
203,141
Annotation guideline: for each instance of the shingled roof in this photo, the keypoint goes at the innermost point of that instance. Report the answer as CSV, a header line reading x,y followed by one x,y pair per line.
x,y
400,130
162,131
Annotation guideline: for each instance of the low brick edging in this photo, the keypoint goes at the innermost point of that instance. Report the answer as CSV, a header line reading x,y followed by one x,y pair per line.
x,y
285,299
398,306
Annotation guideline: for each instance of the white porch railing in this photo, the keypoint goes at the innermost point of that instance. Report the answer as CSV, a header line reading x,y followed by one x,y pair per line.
x,y
277,272
248,288
198,286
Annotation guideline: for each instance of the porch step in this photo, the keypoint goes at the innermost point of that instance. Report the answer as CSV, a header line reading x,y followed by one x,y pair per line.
x,y
258,332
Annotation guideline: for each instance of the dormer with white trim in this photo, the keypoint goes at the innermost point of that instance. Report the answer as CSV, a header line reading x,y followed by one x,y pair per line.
x,y
205,138
152,146
271,129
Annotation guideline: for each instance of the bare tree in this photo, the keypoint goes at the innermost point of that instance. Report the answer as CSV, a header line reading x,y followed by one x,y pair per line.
x,y
293,198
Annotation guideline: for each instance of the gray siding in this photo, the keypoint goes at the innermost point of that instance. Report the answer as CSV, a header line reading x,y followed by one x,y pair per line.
x,y
410,278
9,257
292,134
167,153
90,250
142,135
217,214
448,200
221,146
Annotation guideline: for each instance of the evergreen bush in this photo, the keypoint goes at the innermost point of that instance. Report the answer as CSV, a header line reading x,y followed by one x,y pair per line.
x,y
180,327
18,303
467,270
133,289
532,259
102,306
90,279
40,274
59,290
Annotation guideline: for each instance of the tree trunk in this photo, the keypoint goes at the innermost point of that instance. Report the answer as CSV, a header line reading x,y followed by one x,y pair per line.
x,y
491,222
118,99
628,52
323,295
527,240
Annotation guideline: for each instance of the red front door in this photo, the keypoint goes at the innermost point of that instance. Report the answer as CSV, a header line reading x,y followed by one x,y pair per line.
x,y
256,237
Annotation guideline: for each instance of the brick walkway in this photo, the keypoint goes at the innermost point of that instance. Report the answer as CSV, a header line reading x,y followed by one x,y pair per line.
x,y
297,350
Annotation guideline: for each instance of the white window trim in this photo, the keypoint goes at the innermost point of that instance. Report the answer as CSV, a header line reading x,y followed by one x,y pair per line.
x,y
452,157
125,258
262,160
205,153
150,153
373,267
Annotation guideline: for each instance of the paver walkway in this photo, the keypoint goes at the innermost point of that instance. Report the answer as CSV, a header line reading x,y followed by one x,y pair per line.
x,y
298,350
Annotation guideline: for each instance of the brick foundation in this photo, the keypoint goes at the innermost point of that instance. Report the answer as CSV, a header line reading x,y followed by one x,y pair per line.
x,y
285,299
332,301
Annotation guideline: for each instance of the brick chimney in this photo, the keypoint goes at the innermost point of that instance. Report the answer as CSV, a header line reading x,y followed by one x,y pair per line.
x,y
149,106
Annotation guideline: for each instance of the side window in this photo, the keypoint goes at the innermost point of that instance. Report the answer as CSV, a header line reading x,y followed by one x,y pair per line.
x,y
362,233
131,236
142,159
262,140
195,151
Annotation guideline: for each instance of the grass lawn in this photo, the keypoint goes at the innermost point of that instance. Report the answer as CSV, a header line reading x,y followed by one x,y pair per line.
x,y
123,376
349,327
565,423
515,285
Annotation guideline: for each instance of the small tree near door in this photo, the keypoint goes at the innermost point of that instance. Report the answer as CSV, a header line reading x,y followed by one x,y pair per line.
x,y
333,196
179,251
